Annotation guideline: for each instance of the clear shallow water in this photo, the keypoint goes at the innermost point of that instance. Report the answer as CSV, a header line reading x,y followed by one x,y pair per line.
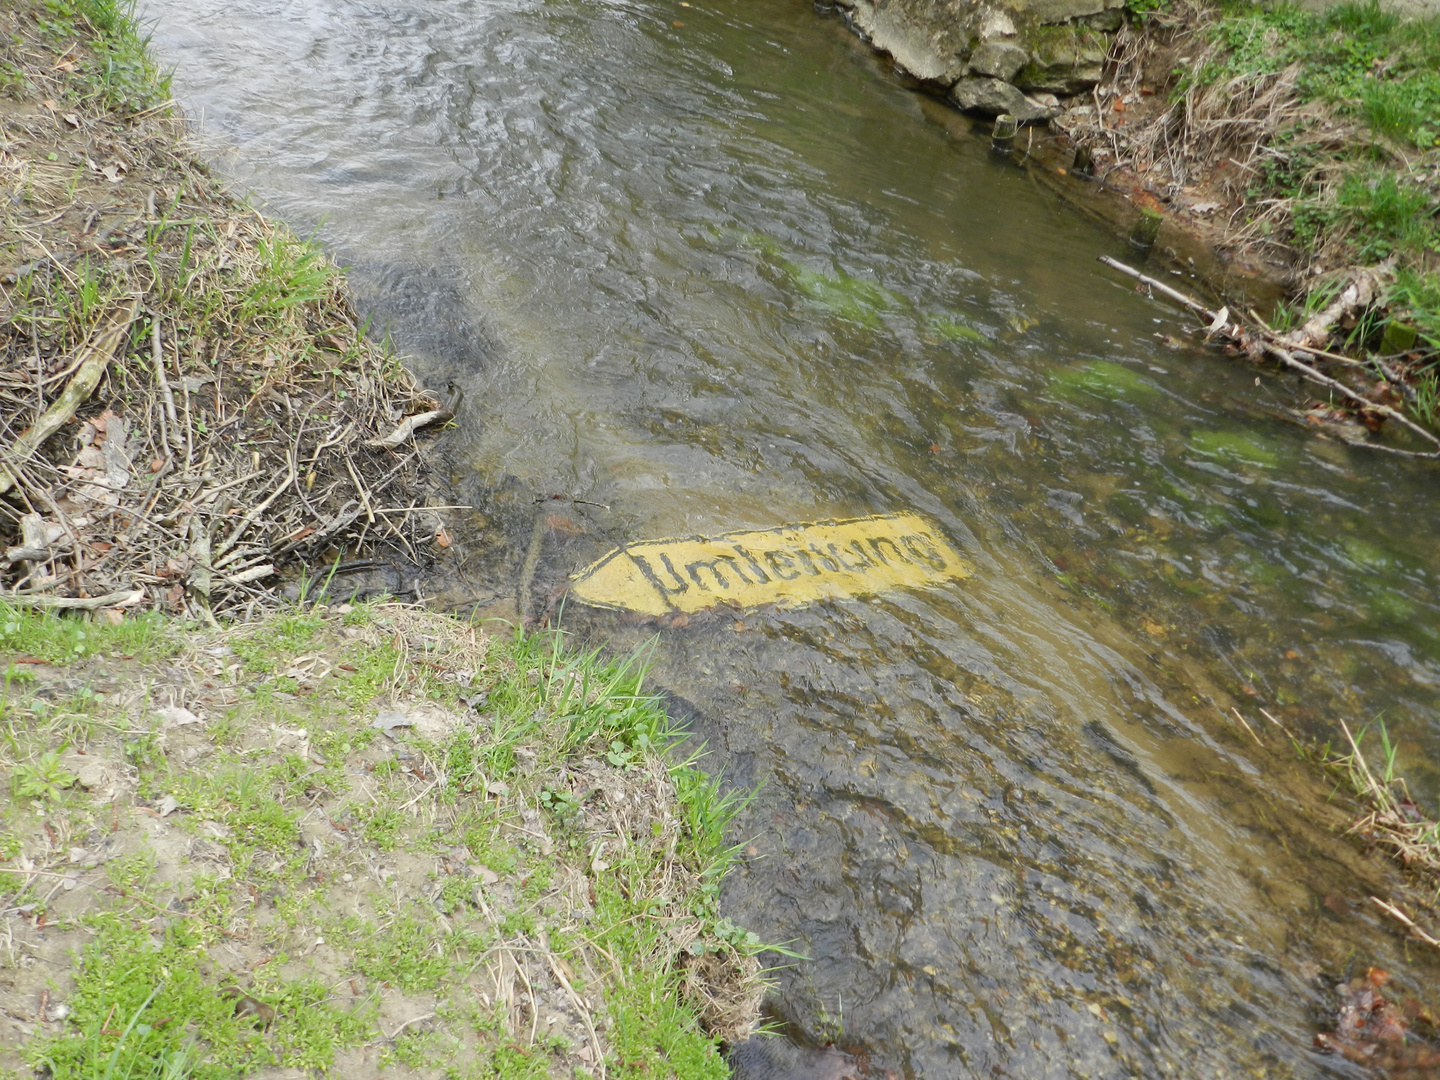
x,y
727,275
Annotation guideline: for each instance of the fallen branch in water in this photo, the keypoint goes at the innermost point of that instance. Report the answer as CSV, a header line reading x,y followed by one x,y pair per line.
x,y
1406,921
1261,340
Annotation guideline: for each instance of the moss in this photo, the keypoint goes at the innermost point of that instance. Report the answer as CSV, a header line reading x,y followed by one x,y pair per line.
x,y
1103,379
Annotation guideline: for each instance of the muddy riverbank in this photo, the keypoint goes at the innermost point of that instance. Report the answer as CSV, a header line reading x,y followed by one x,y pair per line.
x,y
324,836
190,407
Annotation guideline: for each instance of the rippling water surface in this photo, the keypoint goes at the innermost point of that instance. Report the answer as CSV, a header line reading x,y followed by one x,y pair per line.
x,y
708,268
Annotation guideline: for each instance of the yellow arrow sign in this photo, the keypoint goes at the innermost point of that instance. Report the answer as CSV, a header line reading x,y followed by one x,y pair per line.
x,y
795,563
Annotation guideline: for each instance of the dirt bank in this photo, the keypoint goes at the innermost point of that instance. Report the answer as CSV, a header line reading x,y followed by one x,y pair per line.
x,y
189,406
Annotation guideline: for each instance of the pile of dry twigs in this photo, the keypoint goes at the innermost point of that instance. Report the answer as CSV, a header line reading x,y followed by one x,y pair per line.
x,y
188,401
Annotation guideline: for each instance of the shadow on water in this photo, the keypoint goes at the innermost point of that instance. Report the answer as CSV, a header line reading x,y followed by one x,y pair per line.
x,y
723,275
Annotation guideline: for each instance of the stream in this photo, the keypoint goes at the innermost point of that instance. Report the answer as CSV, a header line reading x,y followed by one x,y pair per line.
x,y
706,267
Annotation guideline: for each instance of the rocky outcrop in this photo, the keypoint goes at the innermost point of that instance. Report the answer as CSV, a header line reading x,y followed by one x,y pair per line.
x,y
992,57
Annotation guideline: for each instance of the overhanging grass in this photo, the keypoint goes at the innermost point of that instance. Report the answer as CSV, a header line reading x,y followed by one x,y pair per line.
x,y
1324,127
117,68
1375,67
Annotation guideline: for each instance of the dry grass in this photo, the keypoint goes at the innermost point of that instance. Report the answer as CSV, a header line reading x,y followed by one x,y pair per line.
x,y
1215,139
228,437
1392,821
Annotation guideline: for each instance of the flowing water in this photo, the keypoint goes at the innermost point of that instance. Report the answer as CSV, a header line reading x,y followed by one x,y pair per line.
x,y
709,268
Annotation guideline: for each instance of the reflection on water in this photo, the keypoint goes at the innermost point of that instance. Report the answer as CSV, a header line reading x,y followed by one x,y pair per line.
x,y
724,275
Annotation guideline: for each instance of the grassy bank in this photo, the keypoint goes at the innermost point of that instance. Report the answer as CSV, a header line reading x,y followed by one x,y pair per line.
x,y
1306,140
188,401
376,838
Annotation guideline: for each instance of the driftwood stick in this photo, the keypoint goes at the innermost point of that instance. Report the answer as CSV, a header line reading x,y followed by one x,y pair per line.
x,y
123,598
158,356
1159,286
1280,348
1288,359
250,518
1356,296
97,354
1406,921
409,426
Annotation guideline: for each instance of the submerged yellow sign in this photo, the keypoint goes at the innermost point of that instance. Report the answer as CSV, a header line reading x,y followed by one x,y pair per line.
x,y
795,563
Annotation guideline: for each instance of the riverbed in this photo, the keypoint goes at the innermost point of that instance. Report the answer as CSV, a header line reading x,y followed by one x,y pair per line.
x,y
707,268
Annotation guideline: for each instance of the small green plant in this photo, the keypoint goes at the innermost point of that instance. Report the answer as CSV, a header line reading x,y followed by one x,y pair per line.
x,y
294,273
381,826
44,779
142,1006
562,803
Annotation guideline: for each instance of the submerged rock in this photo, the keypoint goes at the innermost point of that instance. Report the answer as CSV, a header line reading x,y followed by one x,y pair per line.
x,y
995,96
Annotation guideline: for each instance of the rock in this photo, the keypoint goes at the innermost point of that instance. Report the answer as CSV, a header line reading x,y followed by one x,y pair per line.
x,y
995,24
892,29
1107,21
995,96
1052,45
1065,60
998,60
173,716
95,775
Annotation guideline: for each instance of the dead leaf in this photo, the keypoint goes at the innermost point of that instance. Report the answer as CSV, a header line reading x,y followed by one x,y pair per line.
x,y
173,716
561,523
390,719
114,172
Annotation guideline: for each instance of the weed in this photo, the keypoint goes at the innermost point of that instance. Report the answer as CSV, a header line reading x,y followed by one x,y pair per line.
x,y
1392,214
372,673
563,804
294,273
1390,816
381,825
140,1008
403,955
45,779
